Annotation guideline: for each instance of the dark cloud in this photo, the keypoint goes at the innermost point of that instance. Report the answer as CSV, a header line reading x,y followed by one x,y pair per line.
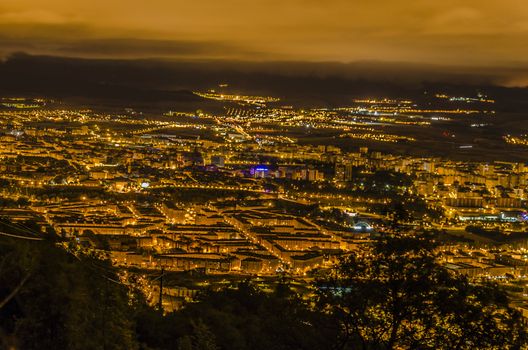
x,y
76,40
152,48
449,32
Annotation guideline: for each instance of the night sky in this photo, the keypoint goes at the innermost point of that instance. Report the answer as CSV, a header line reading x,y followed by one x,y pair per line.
x,y
483,33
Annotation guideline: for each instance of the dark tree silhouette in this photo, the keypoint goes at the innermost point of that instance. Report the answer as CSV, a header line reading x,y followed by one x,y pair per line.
x,y
396,296
60,301
393,295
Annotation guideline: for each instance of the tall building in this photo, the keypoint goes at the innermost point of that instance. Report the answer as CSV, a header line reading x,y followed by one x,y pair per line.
x,y
349,172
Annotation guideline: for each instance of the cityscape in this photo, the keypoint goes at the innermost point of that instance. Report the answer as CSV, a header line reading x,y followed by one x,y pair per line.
x,y
229,201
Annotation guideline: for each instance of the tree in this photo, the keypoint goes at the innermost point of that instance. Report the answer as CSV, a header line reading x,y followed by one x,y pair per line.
x,y
245,318
202,338
55,300
394,295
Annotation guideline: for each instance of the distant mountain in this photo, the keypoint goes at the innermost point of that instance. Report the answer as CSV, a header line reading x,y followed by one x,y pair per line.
x,y
299,83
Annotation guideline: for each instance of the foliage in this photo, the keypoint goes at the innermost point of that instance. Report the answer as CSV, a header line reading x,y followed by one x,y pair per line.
x,y
396,296
391,296
244,318
65,303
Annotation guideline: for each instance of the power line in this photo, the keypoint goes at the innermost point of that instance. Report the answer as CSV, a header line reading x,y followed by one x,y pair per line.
x,y
160,276
19,227
90,267
41,239
107,270
21,237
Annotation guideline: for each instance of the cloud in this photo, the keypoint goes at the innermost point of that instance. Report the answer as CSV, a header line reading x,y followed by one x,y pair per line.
x,y
32,16
484,32
138,48
126,48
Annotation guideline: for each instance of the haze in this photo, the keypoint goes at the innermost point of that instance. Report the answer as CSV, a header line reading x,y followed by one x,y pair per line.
x,y
484,32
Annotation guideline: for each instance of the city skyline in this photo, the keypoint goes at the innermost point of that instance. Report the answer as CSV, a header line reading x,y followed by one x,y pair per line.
x,y
229,175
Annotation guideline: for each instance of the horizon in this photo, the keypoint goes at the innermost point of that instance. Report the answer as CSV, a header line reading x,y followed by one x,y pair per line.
x,y
404,73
